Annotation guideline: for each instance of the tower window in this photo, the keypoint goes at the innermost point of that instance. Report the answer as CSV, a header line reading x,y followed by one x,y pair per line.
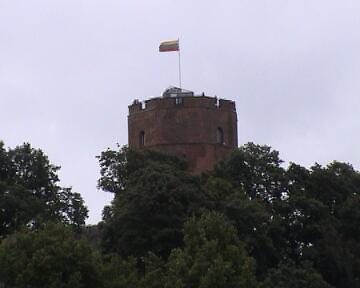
x,y
219,136
178,100
142,138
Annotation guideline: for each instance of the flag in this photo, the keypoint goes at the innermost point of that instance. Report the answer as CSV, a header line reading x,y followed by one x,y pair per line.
x,y
167,46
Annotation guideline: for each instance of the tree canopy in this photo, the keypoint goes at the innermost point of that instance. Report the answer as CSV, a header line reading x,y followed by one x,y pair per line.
x,y
150,207
49,257
30,193
250,222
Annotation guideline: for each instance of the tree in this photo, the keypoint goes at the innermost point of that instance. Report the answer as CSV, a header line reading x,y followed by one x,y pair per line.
x,y
321,212
17,208
153,198
49,257
299,225
120,273
30,193
256,170
251,218
289,276
117,166
154,272
333,184
212,256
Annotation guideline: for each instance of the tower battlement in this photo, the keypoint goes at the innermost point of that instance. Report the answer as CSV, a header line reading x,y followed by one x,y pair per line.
x,y
198,101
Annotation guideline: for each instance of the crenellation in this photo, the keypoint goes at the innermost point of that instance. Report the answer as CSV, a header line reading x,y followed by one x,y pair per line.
x,y
227,105
152,103
187,102
136,106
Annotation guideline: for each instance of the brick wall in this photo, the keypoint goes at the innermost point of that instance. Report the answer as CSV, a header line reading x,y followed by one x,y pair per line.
x,y
185,126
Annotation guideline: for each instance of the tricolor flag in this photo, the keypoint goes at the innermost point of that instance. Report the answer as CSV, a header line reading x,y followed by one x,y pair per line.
x,y
167,46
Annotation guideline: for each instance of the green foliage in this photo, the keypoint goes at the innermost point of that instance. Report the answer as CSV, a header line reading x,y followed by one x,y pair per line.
x,y
149,214
49,257
320,219
280,215
117,166
288,276
349,215
17,207
248,223
333,184
251,218
30,194
155,272
255,169
306,215
213,256
120,273
29,168
71,208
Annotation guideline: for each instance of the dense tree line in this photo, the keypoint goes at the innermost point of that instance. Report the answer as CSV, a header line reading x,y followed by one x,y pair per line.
x,y
250,222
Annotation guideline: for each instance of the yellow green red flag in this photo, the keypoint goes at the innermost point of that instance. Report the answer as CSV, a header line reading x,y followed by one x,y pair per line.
x,y
168,46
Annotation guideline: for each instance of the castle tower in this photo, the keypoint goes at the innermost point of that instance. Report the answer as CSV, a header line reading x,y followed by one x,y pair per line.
x,y
201,129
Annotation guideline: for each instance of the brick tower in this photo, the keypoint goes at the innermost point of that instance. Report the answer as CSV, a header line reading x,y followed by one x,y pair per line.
x,y
201,129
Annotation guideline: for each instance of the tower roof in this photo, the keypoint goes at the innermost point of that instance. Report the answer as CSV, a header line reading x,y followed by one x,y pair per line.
x,y
173,91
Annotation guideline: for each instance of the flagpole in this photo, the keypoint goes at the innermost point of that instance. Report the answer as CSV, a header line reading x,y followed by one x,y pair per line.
x,y
179,65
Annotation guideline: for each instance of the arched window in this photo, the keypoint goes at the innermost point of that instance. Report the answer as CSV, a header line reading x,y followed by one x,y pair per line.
x,y
142,138
219,136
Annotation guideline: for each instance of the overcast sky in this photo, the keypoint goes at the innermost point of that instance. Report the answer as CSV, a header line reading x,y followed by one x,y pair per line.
x,y
70,68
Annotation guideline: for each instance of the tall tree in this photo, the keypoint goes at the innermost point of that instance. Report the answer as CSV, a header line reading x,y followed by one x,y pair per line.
x,y
30,191
116,166
255,169
251,218
317,201
150,207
